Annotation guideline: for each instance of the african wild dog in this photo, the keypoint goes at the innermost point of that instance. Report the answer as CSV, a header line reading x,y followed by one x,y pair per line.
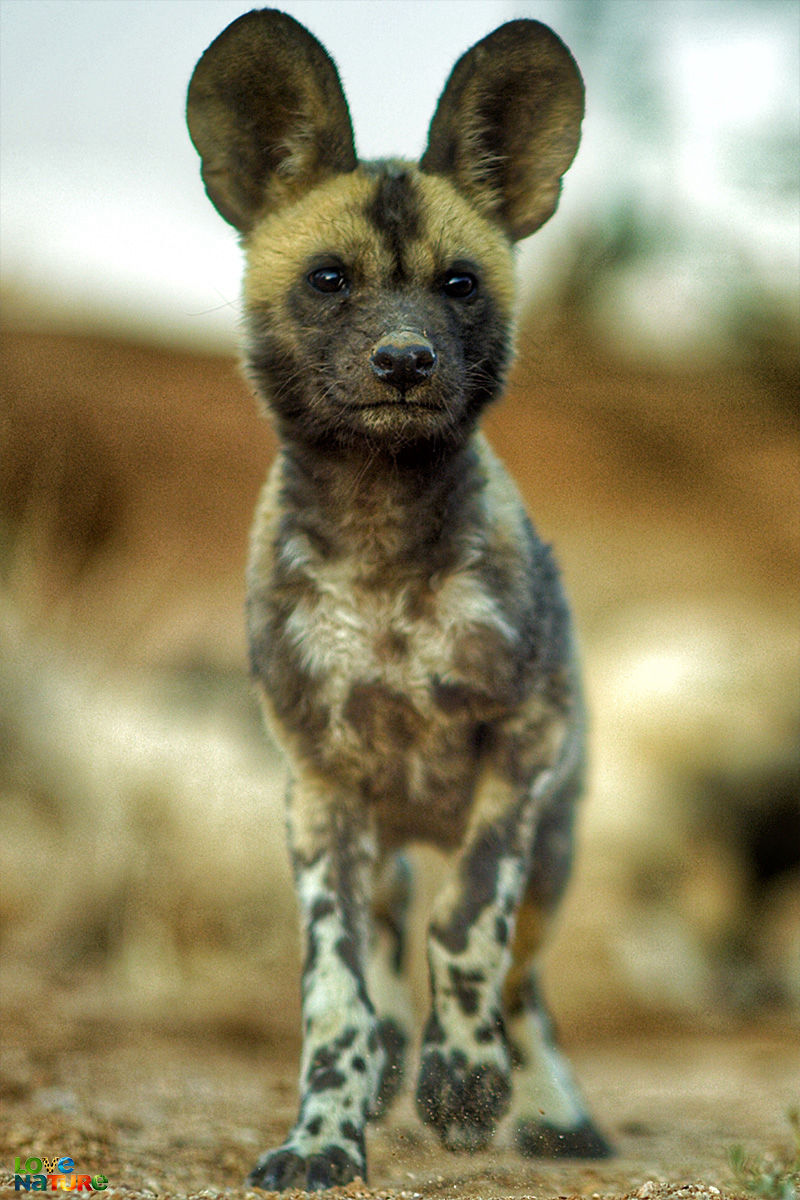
x,y
407,628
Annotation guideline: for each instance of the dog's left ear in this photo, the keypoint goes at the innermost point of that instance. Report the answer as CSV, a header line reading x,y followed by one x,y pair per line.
x,y
507,125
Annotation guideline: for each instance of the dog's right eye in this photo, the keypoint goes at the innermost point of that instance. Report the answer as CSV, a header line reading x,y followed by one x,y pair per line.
x,y
328,280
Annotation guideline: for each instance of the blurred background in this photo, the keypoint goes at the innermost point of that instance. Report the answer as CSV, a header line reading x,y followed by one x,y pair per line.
x,y
652,422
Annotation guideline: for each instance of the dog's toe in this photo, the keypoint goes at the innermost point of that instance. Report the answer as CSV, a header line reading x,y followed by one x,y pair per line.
x,y
537,1139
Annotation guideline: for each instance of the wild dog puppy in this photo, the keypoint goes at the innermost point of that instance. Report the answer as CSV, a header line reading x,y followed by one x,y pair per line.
x,y
407,628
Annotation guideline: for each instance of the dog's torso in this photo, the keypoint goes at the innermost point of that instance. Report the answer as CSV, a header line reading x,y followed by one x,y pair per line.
x,y
389,658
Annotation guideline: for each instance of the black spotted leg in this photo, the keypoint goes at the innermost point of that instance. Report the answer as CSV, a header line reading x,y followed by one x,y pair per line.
x,y
487,926
465,1074
465,1070
386,974
548,1116
342,1059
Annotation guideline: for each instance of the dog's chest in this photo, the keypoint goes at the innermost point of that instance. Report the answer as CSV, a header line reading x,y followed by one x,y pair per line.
x,y
400,673
402,631
410,636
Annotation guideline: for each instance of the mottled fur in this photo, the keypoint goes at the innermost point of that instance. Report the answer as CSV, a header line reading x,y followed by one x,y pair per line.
x,y
407,628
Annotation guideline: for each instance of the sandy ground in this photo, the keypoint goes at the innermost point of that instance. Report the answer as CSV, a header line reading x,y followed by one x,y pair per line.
x,y
183,1112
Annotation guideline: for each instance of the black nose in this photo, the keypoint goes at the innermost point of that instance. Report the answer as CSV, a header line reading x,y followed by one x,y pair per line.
x,y
403,360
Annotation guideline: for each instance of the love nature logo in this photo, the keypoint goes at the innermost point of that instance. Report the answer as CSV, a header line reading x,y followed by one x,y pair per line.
x,y
39,1173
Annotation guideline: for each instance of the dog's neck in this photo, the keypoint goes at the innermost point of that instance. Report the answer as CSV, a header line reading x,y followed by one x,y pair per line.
x,y
383,508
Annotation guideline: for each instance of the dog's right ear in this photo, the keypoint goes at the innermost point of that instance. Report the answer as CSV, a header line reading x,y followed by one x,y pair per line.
x,y
267,115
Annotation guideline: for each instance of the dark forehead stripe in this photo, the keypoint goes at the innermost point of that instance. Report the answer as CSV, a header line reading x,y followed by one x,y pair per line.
x,y
394,211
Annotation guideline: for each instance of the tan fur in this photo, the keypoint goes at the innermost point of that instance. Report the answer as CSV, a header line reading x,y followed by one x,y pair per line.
x,y
333,212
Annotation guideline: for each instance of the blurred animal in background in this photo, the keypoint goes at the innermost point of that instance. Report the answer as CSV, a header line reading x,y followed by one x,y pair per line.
x,y
407,627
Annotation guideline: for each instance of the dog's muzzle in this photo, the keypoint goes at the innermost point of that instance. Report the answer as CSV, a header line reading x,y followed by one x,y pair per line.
x,y
403,359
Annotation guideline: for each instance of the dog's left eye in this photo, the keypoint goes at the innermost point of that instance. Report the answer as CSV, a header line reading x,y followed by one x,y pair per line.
x,y
460,285
328,279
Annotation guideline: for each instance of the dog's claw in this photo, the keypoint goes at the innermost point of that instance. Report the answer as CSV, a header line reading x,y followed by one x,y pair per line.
x,y
462,1101
282,1169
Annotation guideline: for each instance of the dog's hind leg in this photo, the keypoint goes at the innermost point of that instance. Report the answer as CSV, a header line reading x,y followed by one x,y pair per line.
x,y
547,1115
386,973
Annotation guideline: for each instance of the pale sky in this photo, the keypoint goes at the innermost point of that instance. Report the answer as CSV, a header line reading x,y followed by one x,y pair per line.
x,y
105,222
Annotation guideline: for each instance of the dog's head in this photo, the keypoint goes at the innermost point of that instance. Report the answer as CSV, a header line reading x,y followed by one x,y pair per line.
x,y
378,296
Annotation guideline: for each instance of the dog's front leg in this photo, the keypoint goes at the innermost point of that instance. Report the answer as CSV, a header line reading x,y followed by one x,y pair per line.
x,y
333,856
465,1074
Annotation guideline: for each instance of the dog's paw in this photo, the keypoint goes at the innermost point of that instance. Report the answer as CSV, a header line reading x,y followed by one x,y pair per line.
x,y
280,1170
463,1100
538,1139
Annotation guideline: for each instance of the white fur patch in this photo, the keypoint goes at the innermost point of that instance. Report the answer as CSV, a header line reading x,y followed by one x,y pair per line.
x,y
340,632
544,1090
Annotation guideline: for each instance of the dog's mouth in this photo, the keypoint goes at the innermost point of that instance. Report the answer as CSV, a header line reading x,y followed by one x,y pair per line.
x,y
421,414
399,404
406,391
420,410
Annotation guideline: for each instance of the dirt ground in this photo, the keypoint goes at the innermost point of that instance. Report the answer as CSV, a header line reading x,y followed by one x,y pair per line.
x,y
184,1112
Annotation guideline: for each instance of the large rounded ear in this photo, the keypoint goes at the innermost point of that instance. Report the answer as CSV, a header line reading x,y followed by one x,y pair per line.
x,y
508,124
267,114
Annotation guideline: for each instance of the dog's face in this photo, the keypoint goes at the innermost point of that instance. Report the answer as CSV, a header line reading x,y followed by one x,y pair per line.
x,y
378,297
378,306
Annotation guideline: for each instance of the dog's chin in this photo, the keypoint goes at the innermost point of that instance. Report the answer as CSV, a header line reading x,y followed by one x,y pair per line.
x,y
399,423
